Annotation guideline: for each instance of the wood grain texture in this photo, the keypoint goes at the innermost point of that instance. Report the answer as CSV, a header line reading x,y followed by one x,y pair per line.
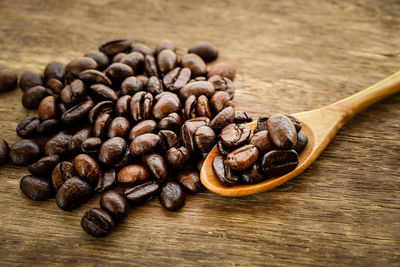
x,y
291,56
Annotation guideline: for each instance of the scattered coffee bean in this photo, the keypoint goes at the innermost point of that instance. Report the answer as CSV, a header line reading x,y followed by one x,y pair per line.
x,y
44,166
223,173
8,80
206,51
157,166
178,157
87,168
132,173
29,79
234,135
54,70
114,204
279,162
35,188
112,151
58,144
27,127
242,158
24,152
141,193
223,69
144,144
282,131
172,196
302,141
97,222
4,150
195,63
190,180
106,181
91,145
62,172
73,193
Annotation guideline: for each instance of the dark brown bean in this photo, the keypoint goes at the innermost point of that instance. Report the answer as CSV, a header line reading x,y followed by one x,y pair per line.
x,y
190,180
253,175
168,139
166,104
73,93
155,85
178,157
301,143
47,108
62,172
204,138
122,106
242,117
223,149
100,58
91,145
75,67
222,119
119,127
73,193
35,188
171,122
55,86
118,57
54,70
87,168
94,76
114,47
112,151
141,193
262,123
58,144
219,101
188,130
4,150
104,107
24,152
262,142
114,204
33,96
223,173
223,69
8,80
48,127
150,66
97,222
197,88
102,92
242,158
135,60
27,127
74,145
295,121
156,165
195,63
279,162
206,51
146,126
133,173
223,84
106,181
144,79
143,49
166,60
144,144
177,78
234,135
117,72
131,85
282,131
44,166
165,45
141,106
29,79
172,196
77,114
197,107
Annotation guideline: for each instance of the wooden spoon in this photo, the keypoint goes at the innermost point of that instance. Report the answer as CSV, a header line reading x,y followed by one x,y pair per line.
x,y
320,125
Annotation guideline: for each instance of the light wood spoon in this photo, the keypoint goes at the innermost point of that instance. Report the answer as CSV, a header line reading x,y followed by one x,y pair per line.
x,y
320,125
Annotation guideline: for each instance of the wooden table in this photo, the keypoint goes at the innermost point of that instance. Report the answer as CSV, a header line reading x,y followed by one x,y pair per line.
x,y
291,56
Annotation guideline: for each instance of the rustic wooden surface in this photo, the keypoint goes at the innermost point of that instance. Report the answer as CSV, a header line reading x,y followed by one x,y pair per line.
x,y
291,56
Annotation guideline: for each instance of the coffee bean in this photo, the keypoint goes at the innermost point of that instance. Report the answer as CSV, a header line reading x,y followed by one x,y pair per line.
x,y
62,172
190,180
141,106
206,51
122,106
29,79
242,117
188,130
197,88
141,193
131,85
8,80
301,143
166,60
74,145
118,57
195,63
172,196
262,142
97,222
155,85
35,188
166,45
234,135
87,168
91,145
143,79
177,78
112,151
204,138
253,175
197,107
24,152
76,66
73,193
33,96
114,204
44,166
166,104
262,123
223,69
222,119
4,150
54,86
119,127
114,47
132,173
27,127
58,144
135,60
54,70
171,122
242,158
295,121
156,165
223,173
117,72
48,127
282,131
223,149
150,66
77,114
47,108
279,162
94,76
100,58
101,92
143,49
73,93
219,101
104,107
144,144
106,181
223,84
178,157
146,126
199,164
168,139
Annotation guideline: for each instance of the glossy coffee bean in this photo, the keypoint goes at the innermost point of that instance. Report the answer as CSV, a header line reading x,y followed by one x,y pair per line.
x,y
302,141
48,127
189,129
24,152
77,114
143,49
242,117
262,142
262,123
282,131
8,80
157,166
55,86
222,119
144,144
73,193
87,168
141,106
165,45
177,78
154,85
171,122
44,166
119,127
143,79
29,79
146,126
295,121
195,63
101,92
197,107
35,188
117,72
133,173
135,60
104,107
172,196
33,96
223,84
54,70
166,60
166,104
74,146
219,101
47,108
197,88
118,57
279,162
27,127
97,222
114,204
235,135
223,69
223,149
223,173
106,181
114,47
58,144
190,180
150,66
141,193
122,106
76,66
4,150
253,175
242,158
94,76
168,139
100,58
62,172
131,85
73,93
206,51
204,138
112,151
91,145
178,157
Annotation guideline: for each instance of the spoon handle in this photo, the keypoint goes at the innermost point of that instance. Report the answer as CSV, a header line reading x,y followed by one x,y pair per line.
x,y
351,105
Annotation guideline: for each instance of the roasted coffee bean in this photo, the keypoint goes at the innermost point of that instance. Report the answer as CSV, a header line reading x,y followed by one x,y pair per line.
x,y
223,69
195,63
87,168
76,66
114,47
27,127
35,188
127,159
206,51
132,173
141,106
171,122
29,79
143,49
146,126
100,58
114,204
118,57
190,180
117,72
253,175
135,60
131,85
242,117
144,144
301,143
279,162
91,145
199,164
172,196
262,142
222,119
188,130
61,108
295,121
166,45
242,158
44,166
282,131
204,138
223,84
122,106
54,86
97,222
8,80
197,88
166,104
94,76
73,93
219,101
178,157
144,79
112,151
168,139
77,114
24,152
223,149
155,85
223,173
234,135
104,107
33,96
106,181
197,107
262,123
101,92
73,193
166,60
58,144
47,108
48,127
150,66
119,127
74,145
141,193
54,70
156,165
62,172
4,150
177,78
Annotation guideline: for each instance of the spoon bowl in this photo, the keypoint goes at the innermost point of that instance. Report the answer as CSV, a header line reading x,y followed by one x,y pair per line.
x,y
320,126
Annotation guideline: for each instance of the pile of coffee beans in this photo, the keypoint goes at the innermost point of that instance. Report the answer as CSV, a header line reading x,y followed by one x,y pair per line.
x,y
271,151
